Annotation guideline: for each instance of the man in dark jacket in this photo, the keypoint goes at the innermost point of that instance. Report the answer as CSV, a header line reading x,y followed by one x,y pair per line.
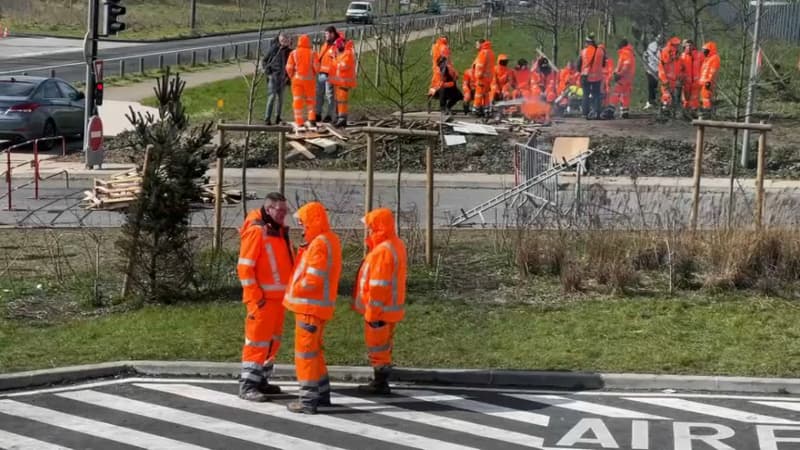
x,y
274,64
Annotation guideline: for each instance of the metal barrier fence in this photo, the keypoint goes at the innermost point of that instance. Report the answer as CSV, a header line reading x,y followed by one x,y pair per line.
x,y
781,22
531,162
223,52
33,162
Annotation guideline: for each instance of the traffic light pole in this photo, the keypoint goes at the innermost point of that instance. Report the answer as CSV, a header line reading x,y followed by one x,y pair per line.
x,y
90,50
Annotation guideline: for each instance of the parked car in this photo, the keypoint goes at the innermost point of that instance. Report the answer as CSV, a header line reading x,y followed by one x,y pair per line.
x,y
35,107
359,12
434,7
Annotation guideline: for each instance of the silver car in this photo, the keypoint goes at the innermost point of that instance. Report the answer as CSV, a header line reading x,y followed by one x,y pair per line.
x,y
35,107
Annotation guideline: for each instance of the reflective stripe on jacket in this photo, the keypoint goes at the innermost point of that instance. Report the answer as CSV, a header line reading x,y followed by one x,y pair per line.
x,y
302,64
345,73
265,259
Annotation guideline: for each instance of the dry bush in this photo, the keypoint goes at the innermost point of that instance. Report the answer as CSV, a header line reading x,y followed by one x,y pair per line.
x,y
539,252
608,259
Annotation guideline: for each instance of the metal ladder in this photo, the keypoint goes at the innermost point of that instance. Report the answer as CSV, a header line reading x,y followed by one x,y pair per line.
x,y
519,189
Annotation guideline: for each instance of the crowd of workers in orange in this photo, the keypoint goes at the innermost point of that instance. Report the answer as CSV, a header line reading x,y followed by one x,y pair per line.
x,y
276,277
594,84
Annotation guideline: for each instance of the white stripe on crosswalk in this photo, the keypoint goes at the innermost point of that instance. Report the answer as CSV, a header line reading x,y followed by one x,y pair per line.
x,y
192,420
91,427
322,421
587,407
791,406
461,426
11,441
711,410
476,406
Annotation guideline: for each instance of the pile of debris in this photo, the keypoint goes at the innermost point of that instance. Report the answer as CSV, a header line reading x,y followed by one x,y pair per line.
x,y
120,190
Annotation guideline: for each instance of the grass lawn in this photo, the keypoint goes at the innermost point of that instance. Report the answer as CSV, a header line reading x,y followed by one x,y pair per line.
x,y
157,19
696,336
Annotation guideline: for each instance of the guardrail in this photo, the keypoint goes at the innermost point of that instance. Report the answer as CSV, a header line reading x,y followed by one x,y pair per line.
x,y
222,52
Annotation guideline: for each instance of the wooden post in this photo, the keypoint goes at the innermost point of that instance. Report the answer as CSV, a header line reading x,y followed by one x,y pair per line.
x,y
370,178
762,149
698,166
282,162
731,196
429,203
218,197
378,61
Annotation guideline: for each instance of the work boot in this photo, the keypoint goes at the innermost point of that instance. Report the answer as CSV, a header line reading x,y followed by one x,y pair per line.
x,y
299,408
325,399
624,114
380,384
466,109
327,119
278,120
341,122
251,394
267,122
268,389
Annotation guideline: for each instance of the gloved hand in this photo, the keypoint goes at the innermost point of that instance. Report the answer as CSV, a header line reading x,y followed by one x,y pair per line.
x,y
708,85
261,303
376,324
617,77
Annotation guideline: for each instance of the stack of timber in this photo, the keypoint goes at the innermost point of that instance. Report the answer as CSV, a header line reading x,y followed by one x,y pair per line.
x,y
325,137
120,190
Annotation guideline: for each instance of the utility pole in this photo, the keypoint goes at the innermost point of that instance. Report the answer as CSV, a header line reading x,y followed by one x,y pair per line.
x,y
193,17
751,86
90,54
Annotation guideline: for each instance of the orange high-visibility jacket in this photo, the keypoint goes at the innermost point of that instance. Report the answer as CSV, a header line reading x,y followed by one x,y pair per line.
x,y
439,48
468,82
608,73
502,82
326,59
626,64
345,73
265,259
592,63
302,64
567,77
691,64
438,79
315,282
381,289
668,63
708,73
544,84
483,67
522,78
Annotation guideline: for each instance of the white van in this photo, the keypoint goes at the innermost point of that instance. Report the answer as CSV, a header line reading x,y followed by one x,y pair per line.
x,y
359,12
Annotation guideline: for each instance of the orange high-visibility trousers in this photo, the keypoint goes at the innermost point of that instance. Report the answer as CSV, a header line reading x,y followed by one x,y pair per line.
x,y
304,97
482,91
342,95
707,96
691,96
263,328
379,341
667,90
309,360
621,94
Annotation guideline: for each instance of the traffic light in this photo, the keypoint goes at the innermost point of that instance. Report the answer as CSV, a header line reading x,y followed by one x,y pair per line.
x,y
98,93
112,11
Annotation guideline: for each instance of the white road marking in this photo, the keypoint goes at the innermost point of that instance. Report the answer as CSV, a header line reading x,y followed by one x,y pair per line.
x,y
476,406
13,441
587,407
192,420
322,421
91,427
712,410
433,420
791,406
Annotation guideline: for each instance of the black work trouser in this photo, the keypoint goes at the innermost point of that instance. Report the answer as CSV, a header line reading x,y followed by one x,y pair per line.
x,y
592,99
652,89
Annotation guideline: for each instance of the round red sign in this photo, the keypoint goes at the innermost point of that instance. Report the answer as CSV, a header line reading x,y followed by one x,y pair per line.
x,y
95,133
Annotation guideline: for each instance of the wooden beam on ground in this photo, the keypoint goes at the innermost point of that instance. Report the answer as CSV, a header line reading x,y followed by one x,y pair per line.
x,y
299,149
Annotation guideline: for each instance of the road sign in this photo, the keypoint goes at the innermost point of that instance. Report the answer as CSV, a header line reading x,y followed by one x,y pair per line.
x,y
98,70
95,130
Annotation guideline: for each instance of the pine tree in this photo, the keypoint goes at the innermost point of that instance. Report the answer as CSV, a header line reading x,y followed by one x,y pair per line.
x,y
156,236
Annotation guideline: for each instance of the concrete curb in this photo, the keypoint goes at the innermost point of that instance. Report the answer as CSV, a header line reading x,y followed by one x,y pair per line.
x,y
465,377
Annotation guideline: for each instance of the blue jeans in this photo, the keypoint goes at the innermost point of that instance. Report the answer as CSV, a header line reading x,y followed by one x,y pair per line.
x,y
276,86
324,92
591,97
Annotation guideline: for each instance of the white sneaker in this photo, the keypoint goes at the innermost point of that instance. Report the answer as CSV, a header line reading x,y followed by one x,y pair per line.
x,y
647,106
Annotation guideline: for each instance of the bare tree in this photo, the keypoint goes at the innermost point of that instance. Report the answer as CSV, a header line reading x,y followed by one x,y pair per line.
x,y
688,12
399,82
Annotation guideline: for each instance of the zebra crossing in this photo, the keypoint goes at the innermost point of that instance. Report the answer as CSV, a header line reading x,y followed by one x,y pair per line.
x,y
207,414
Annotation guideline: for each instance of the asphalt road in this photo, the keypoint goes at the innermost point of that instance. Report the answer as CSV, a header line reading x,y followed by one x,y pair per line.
x,y
69,64
199,414
622,209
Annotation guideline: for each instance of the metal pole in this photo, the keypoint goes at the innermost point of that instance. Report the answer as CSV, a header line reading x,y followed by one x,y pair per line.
x,y
751,86
218,196
193,15
762,149
36,169
282,162
429,203
121,68
89,109
698,165
8,177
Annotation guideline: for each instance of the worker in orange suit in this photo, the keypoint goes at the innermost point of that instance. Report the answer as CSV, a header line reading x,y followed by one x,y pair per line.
x,y
266,259
608,75
544,80
668,71
708,76
443,86
302,69
623,78
483,70
567,77
344,78
522,79
440,48
380,295
591,67
468,88
325,61
503,80
311,296
691,64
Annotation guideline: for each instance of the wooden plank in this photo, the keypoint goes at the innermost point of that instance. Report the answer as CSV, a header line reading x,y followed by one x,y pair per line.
x,y
566,148
299,148
334,132
327,145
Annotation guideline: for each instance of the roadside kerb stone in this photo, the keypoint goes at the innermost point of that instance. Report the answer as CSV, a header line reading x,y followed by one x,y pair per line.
x,y
470,377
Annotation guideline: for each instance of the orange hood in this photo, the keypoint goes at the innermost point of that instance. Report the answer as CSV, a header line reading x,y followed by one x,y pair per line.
x,y
502,57
314,219
711,46
487,45
380,223
303,41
